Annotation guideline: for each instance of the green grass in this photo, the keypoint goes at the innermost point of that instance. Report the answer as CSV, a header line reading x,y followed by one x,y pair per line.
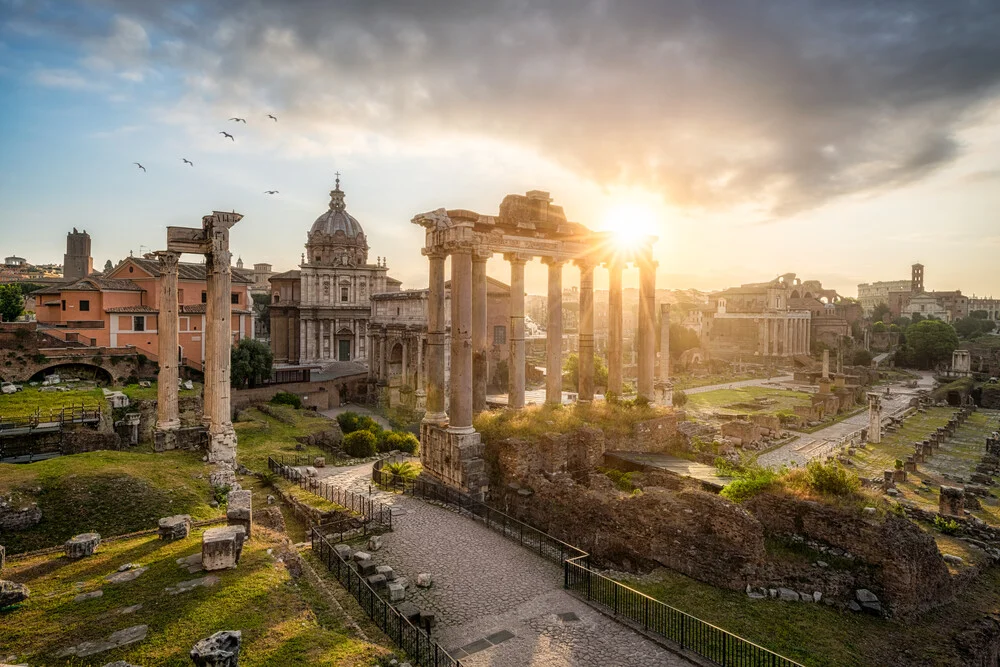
x,y
717,400
264,435
819,636
111,493
137,393
685,381
283,621
30,399
616,420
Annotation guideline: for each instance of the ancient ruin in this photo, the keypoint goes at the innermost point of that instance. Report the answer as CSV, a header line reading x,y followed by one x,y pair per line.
x,y
527,226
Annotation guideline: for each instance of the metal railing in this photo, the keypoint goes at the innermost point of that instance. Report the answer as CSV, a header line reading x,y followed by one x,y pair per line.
x,y
641,610
415,642
371,509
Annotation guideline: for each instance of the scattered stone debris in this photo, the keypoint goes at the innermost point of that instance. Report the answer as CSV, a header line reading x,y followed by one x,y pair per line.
x,y
220,650
122,576
131,609
12,593
424,580
83,545
953,559
176,527
191,563
89,596
239,511
190,585
130,635
374,543
221,547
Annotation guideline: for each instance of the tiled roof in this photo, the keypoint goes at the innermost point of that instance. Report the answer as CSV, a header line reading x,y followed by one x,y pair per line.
x,y
286,275
199,309
131,309
92,284
189,270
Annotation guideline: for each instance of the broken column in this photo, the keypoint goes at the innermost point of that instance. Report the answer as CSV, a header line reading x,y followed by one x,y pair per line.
x,y
220,650
951,501
874,415
176,527
221,547
81,546
239,511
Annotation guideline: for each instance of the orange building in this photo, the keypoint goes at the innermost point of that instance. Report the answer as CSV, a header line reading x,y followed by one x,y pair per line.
x,y
121,308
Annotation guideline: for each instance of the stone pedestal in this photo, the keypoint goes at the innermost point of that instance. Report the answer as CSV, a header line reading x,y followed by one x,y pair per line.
x,y
221,547
82,546
176,527
239,511
220,650
454,459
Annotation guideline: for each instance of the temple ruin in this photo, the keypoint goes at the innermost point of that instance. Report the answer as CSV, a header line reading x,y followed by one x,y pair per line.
x,y
528,226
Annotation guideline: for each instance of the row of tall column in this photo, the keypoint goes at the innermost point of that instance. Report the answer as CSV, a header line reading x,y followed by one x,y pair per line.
x,y
784,336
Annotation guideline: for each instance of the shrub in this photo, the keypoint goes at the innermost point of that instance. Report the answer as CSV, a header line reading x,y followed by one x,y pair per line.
x,y
749,482
947,526
680,398
623,480
899,464
351,421
287,398
399,440
360,444
366,423
268,478
401,469
831,479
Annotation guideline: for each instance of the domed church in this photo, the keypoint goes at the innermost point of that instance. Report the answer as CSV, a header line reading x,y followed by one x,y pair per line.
x,y
320,313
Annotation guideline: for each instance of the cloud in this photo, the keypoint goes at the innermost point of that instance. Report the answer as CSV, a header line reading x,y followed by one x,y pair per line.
x,y
61,78
125,50
776,106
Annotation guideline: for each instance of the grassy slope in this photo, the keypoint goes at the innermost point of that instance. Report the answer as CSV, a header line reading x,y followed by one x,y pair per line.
x,y
30,399
819,636
111,493
535,421
718,399
135,392
265,435
284,622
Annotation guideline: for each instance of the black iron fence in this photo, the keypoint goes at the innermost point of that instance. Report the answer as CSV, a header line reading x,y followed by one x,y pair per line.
x,y
642,611
422,650
369,508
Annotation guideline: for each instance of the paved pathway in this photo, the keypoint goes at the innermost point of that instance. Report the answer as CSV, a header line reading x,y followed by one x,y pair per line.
x,y
502,603
759,382
808,446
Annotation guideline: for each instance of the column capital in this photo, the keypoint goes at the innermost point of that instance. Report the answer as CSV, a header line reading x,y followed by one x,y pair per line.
x,y
435,252
168,259
585,263
219,260
517,257
481,253
554,262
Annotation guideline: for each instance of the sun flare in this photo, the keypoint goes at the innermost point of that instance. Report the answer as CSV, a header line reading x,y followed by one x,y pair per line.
x,y
631,223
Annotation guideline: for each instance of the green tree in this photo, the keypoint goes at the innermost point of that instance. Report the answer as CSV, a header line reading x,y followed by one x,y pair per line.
x,y
861,358
879,327
11,302
979,314
262,313
881,313
916,317
108,266
251,363
930,342
571,367
682,339
973,327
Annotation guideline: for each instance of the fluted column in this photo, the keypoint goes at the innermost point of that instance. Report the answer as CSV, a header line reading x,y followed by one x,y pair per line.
x,y
586,331
480,367
383,366
615,328
435,339
647,341
515,370
167,414
211,342
553,337
460,405
665,342
219,293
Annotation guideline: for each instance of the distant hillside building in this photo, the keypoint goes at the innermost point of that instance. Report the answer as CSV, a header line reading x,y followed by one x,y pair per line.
x,y
77,262
320,312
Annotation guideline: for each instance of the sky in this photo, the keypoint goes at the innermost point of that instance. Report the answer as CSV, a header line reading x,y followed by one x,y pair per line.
x,y
840,141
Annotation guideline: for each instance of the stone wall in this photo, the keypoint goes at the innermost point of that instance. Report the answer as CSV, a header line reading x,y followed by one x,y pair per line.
x,y
653,435
320,395
83,439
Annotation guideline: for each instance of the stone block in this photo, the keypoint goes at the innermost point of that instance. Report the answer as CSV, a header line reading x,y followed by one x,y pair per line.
x,y
319,462
311,471
343,550
221,547
409,611
387,571
951,501
239,510
176,527
788,595
220,650
427,620
374,543
366,568
424,580
81,546
396,592
376,581
362,555
12,593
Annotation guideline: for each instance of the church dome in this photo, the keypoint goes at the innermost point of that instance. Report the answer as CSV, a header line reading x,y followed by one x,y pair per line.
x,y
337,219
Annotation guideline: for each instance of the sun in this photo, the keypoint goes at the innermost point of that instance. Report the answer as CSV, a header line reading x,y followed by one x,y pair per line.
x,y
631,223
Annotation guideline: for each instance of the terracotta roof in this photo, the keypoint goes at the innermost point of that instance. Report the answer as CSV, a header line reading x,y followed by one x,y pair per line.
x,y
188,270
199,309
91,284
286,275
131,309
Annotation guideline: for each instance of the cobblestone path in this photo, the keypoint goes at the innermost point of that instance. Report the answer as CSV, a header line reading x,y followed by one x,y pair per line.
x,y
499,602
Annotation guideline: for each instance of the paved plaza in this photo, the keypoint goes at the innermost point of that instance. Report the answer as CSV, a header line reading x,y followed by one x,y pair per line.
x,y
496,603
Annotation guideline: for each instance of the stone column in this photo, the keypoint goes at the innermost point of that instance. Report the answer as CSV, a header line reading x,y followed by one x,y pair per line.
x,y
421,392
874,418
435,340
383,364
647,306
515,364
480,367
220,429
664,342
553,334
615,328
826,364
460,406
210,335
167,415
586,330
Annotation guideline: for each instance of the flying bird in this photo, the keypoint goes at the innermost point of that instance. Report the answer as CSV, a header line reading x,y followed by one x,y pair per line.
x,y
140,166
228,135
274,118
239,120
188,161
270,192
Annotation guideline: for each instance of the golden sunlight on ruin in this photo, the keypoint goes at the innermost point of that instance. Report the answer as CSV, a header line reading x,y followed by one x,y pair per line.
x,y
632,222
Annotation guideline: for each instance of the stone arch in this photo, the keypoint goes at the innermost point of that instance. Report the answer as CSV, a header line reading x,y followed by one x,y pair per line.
x,y
807,295
74,368
795,294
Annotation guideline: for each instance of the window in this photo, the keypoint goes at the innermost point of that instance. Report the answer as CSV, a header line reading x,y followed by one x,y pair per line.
x,y
184,324
139,323
499,334
204,297
180,296
64,304
84,306
234,298
326,288
277,297
343,293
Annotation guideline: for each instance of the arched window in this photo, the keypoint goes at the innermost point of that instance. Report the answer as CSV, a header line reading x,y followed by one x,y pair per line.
x,y
326,288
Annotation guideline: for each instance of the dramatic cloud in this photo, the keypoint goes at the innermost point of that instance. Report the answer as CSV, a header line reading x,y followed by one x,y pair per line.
x,y
777,104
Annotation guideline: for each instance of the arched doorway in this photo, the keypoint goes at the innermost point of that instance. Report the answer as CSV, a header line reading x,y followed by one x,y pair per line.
x,y
71,370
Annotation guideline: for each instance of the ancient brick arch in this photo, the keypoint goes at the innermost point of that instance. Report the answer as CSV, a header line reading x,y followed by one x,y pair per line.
x,y
70,368
113,362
